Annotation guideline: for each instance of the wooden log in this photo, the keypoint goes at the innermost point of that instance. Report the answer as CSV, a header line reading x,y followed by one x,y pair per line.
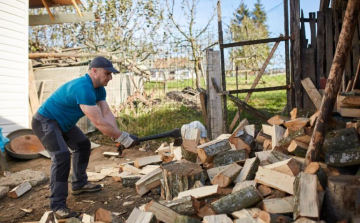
x,y
138,216
243,184
334,80
205,211
276,156
244,198
263,156
229,157
129,181
186,205
223,218
297,148
348,100
247,216
162,213
249,170
276,135
200,193
207,151
277,120
213,171
180,177
296,124
148,182
19,190
340,197
342,147
186,219
273,218
226,176
264,190
279,205
290,167
300,113
306,201
275,179
261,137
315,168
140,162
188,150
299,135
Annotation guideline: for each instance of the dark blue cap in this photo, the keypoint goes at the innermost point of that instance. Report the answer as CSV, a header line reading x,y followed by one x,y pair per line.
x,y
102,62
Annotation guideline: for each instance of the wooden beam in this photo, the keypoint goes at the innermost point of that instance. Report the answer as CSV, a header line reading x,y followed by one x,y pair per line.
x,y
77,8
248,108
35,20
284,87
334,81
253,42
312,92
256,81
48,10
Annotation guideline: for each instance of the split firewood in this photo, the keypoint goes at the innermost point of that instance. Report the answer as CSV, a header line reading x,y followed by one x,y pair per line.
x,y
164,148
205,211
299,135
19,190
243,184
186,219
226,176
247,215
200,193
225,190
119,176
148,168
272,218
192,134
290,167
261,137
301,113
315,168
223,218
342,197
276,194
89,219
279,205
306,220
208,150
148,182
275,179
167,157
250,129
249,170
130,169
306,196
48,217
229,157
267,145
138,216
98,168
297,123
180,177
313,118
263,157
140,162
162,213
277,156
186,205
298,148
277,134
267,129
324,166
114,171
103,215
342,147
129,181
188,150
278,120
213,171
244,198
264,190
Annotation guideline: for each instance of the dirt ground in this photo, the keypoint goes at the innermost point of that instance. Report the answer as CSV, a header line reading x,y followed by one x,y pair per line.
x,y
110,198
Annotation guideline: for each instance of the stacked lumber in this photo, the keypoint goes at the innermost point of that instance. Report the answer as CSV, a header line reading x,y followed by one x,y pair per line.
x,y
348,104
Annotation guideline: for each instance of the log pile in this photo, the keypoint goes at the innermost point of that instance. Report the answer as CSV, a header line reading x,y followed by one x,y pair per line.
x,y
243,177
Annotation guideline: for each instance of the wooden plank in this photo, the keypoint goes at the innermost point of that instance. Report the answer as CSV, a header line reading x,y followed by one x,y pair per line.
x,y
313,93
295,50
215,113
320,49
329,39
308,71
275,179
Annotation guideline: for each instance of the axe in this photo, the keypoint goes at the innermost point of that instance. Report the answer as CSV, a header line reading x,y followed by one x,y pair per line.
x,y
176,134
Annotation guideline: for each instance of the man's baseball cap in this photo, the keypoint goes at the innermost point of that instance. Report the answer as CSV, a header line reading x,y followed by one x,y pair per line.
x,y
102,62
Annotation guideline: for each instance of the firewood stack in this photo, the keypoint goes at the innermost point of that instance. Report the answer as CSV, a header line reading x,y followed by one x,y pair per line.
x,y
254,177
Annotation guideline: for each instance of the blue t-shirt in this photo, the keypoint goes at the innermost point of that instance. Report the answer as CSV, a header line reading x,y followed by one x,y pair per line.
x,y
63,104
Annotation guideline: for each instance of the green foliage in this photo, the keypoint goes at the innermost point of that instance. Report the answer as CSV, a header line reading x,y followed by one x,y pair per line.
x,y
249,26
123,25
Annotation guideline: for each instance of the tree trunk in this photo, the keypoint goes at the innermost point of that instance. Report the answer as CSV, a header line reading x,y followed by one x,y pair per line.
x,y
334,80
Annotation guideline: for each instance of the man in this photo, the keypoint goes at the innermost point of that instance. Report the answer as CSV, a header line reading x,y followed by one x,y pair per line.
x,y
55,125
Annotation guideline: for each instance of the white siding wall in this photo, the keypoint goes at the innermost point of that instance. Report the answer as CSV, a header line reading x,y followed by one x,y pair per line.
x,y
14,102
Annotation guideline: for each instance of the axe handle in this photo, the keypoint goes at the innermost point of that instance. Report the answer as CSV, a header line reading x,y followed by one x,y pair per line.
x,y
160,136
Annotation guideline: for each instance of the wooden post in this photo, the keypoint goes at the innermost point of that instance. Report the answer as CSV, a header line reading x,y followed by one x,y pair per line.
x,y
334,81
295,50
289,92
214,107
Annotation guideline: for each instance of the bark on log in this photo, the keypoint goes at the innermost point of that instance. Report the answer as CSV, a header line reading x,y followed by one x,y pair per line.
x,y
180,177
315,168
244,198
229,157
298,148
227,176
186,205
340,197
334,80
188,155
186,219
249,170
208,150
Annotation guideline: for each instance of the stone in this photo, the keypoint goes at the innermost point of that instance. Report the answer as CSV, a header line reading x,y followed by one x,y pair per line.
x,y
15,179
3,191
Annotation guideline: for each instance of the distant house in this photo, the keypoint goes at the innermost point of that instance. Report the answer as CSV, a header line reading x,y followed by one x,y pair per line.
x,y
179,68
